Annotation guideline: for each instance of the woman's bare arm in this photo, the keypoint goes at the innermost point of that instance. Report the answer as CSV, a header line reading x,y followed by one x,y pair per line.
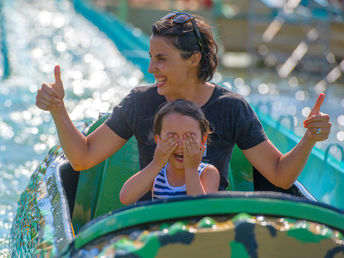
x,y
283,170
82,152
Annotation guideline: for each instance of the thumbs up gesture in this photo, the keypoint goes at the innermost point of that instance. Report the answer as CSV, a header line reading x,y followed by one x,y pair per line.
x,y
50,96
318,124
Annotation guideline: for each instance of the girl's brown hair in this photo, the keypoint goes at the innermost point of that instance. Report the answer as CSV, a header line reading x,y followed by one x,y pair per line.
x,y
183,107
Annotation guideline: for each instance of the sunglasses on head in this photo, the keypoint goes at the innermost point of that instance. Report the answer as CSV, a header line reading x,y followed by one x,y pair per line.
x,y
180,18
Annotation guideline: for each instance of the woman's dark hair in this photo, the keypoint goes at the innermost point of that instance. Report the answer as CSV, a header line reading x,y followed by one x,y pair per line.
x,y
183,107
183,38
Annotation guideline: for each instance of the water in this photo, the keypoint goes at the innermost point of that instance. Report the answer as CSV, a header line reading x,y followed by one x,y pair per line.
x,y
44,33
95,75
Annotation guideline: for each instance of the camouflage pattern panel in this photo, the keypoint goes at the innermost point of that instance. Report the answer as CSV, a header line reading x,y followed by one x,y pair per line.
x,y
222,236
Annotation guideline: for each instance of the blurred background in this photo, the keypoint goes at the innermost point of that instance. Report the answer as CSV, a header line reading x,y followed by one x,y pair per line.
x,y
289,36
278,54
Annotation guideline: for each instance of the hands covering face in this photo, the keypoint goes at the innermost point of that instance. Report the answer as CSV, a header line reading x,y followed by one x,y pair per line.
x,y
191,149
164,148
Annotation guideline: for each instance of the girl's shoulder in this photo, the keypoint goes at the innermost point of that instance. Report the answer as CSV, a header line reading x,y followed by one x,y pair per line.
x,y
209,170
205,166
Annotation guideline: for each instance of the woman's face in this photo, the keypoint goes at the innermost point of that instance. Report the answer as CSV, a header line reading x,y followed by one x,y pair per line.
x,y
172,73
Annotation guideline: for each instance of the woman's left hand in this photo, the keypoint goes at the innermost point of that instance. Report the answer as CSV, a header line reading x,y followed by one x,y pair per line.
x,y
318,124
192,152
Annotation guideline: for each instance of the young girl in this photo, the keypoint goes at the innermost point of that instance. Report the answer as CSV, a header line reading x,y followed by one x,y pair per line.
x,y
180,132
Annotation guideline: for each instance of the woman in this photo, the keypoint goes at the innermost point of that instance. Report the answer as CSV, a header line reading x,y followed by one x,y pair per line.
x,y
183,60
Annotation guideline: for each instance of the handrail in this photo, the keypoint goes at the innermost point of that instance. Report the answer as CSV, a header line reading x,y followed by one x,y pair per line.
x,y
334,145
290,119
267,104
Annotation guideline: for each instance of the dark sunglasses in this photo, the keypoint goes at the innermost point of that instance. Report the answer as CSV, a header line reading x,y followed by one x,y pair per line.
x,y
180,18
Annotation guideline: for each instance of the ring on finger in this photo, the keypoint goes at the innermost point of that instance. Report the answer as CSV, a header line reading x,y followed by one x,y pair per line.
x,y
318,131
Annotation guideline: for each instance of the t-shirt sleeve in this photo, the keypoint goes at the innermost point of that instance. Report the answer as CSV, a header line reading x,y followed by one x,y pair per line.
x,y
248,131
122,119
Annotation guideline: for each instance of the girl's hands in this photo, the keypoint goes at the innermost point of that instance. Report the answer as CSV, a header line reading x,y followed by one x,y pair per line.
x,y
318,124
51,95
192,152
164,149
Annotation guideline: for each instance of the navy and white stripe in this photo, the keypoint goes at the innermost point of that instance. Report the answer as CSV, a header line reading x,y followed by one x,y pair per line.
x,y
162,189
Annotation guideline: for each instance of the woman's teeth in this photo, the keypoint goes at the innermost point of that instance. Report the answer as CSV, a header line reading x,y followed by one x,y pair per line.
x,y
159,82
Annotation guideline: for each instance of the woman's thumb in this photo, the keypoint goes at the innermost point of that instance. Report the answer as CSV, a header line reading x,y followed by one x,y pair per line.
x,y
57,74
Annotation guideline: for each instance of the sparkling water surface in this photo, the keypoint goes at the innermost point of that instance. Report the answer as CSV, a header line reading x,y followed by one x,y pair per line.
x,y
41,34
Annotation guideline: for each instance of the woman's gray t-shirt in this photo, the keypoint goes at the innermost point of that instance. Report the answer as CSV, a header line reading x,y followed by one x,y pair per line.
x,y
231,119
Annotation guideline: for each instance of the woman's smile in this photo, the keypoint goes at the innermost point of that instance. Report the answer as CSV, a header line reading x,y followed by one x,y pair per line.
x,y
159,82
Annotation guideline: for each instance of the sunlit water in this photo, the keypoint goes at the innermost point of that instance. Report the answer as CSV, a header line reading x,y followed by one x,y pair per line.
x,y
95,75
41,34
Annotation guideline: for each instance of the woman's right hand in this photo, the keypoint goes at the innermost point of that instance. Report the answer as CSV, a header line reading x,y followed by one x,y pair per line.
x,y
50,96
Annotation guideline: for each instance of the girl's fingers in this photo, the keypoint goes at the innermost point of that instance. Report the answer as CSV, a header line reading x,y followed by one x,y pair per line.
x,y
172,147
192,151
191,139
164,149
191,144
168,140
185,147
169,144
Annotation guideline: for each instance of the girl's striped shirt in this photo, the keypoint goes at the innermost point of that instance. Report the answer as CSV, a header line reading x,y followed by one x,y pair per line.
x,y
162,189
